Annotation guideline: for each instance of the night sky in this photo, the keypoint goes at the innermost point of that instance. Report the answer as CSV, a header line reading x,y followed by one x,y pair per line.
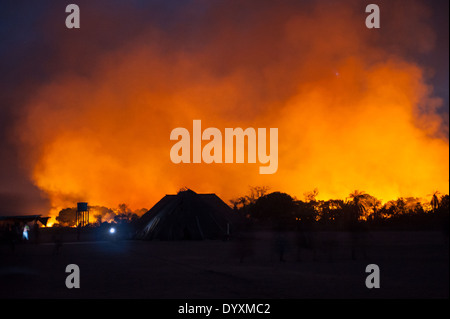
x,y
247,43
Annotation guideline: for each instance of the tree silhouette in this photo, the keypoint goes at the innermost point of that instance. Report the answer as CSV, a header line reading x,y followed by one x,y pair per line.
x,y
357,205
305,212
256,192
435,201
413,205
358,211
276,206
124,214
311,196
67,217
363,204
242,204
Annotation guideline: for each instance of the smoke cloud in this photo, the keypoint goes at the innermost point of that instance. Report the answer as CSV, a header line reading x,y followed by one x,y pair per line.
x,y
353,108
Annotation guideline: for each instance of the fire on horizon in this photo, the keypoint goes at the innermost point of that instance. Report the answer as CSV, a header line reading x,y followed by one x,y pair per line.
x,y
353,108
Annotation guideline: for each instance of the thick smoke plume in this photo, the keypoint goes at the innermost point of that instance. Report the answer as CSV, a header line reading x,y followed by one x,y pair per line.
x,y
353,109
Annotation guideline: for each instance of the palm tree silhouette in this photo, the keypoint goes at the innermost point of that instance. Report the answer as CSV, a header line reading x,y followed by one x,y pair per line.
x,y
358,203
435,201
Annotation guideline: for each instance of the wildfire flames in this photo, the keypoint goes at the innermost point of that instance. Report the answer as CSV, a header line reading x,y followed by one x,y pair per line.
x,y
351,112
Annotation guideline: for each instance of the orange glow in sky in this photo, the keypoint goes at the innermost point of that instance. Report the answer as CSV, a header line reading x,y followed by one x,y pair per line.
x,y
350,115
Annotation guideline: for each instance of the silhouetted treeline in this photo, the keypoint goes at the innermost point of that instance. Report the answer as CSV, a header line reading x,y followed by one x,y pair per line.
x,y
99,215
358,210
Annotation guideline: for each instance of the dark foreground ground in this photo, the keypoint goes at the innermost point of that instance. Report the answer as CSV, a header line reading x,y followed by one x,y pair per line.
x,y
412,265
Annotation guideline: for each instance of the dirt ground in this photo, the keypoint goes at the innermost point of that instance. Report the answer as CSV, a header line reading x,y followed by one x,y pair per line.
x,y
256,265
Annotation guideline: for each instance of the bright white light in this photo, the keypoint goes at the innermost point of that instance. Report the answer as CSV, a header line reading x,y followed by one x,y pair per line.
x,y
112,230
